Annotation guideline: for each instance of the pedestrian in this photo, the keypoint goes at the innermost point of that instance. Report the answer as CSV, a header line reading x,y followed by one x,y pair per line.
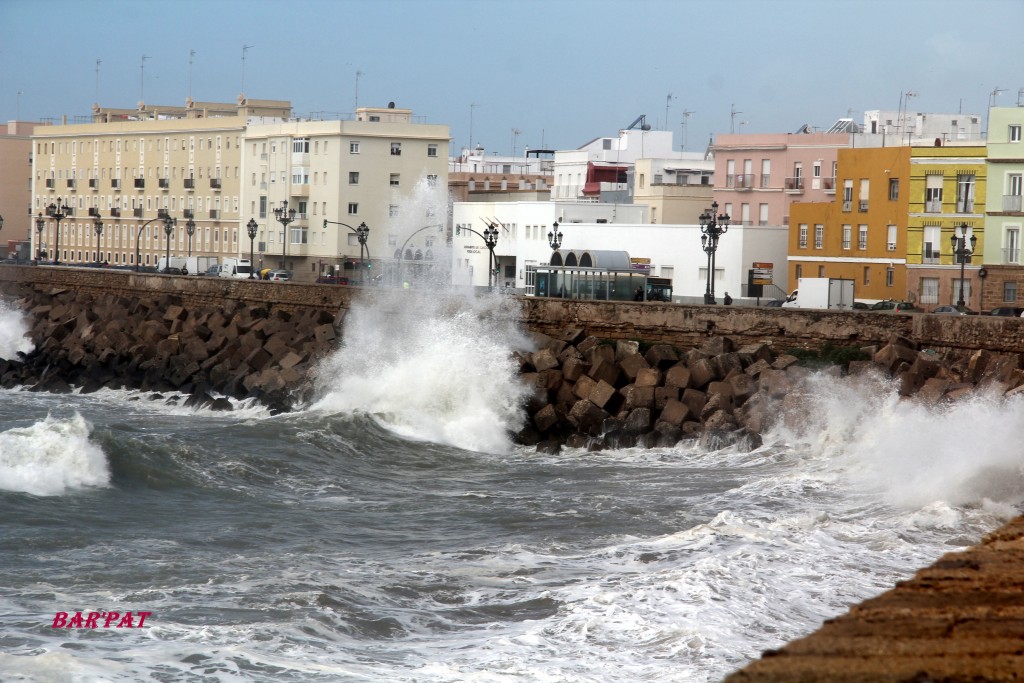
x,y
638,295
728,299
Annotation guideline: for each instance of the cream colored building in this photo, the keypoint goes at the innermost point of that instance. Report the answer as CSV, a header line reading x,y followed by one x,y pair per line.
x,y
15,185
221,166
382,170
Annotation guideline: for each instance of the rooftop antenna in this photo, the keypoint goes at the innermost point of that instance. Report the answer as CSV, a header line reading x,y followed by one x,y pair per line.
x,y
1020,97
142,74
686,116
98,62
668,100
992,102
515,136
472,106
244,49
358,74
17,108
191,54
732,123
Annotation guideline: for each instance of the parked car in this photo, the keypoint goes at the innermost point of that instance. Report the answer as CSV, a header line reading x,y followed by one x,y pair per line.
x,y
280,275
172,271
331,280
891,306
953,310
861,306
775,303
1012,311
213,271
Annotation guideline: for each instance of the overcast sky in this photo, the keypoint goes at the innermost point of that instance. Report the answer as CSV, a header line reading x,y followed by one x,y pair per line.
x,y
560,72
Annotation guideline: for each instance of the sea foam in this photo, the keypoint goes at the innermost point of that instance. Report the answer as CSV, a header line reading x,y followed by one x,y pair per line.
x,y
51,457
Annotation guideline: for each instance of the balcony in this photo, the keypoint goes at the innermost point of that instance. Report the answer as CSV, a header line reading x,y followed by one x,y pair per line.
x,y
115,213
115,183
49,183
862,206
188,213
1011,255
828,184
94,184
215,214
745,182
190,183
933,206
215,183
164,183
140,183
163,213
138,213
300,191
1011,202
795,184
72,183
891,246
93,211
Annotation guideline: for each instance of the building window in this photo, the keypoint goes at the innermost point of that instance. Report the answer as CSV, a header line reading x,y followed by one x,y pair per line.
x,y
890,240
862,237
867,275
799,272
353,208
933,193
393,210
966,293
431,150
396,149
965,193
816,170
762,218
821,271
847,195
353,177
432,180
353,148
394,180
930,253
766,172
1015,135
803,236
1011,252
819,236
890,277
1009,290
847,236
894,189
300,145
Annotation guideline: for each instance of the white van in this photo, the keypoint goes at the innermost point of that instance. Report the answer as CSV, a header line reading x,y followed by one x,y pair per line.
x,y
236,267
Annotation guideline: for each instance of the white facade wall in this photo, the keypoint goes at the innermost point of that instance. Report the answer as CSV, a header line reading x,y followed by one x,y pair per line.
x,y
674,250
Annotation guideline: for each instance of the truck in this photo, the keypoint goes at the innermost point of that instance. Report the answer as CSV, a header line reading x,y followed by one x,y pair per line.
x,y
821,292
199,265
177,262
236,267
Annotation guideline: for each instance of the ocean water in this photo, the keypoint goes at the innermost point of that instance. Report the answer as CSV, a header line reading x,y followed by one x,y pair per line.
x,y
391,532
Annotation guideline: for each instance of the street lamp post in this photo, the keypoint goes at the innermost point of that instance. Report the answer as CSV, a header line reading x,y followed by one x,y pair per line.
x,y
962,253
555,237
169,224
712,226
168,227
284,216
97,225
362,232
252,227
491,240
40,226
190,228
58,212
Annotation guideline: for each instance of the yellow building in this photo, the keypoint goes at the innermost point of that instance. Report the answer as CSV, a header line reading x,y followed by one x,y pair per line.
x,y
947,199
862,234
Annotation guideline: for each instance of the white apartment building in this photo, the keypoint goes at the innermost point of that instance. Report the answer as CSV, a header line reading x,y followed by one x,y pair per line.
x,y
672,251
602,164
216,167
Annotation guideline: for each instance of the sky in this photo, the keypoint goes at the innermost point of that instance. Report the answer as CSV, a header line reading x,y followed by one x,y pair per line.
x,y
551,74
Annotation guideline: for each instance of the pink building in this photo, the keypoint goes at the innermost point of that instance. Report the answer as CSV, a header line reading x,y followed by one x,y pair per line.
x,y
15,185
757,176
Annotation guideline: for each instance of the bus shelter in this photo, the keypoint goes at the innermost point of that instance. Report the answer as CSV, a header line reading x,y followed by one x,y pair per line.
x,y
597,275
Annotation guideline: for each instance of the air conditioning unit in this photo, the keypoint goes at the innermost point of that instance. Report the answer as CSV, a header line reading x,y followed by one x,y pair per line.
x,y
891,246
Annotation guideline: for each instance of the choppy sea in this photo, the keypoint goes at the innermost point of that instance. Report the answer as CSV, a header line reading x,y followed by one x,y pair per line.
x,y
391,532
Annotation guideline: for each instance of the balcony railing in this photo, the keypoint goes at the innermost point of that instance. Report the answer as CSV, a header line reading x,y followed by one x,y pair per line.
x,y
1011,202
862,205
138,213
215,183
933,206
965,206
929,255
164,183
190,183
49,183
115,183
93,211
745,182
215,214
71,183
188,213
94,183
795,184
300,191
115,213
1011,255
847,206
140,183
163,213
828,184
766,180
